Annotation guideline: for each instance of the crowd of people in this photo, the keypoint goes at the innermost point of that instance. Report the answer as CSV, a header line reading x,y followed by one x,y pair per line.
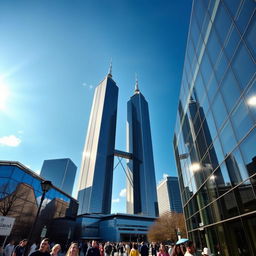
x,y
93,248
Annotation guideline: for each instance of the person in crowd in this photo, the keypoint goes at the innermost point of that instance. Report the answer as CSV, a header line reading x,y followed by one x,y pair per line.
x,y
190,249
85,247
206,252
32,248
127,249
101,248
55,250
176,251
93,250
170,247
73,250
144,251
134,251
120,249
162,251
20,248
153,249
43,248
8,250
107,249
1,250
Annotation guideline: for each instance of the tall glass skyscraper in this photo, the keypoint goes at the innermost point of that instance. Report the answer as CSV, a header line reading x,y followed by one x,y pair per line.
x,y
61,172
215,132
168,194
141,182
95,188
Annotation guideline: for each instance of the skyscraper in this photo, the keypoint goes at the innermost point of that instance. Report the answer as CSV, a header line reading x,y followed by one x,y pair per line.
x,y
61,172
96,177
141,183
215,132
168,194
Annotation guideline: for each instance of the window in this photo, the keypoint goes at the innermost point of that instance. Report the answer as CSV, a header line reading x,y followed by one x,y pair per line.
x,y
251,37
219,110
230,90
228,139
222,179
213,46
243,65
17,174
6,171
241,120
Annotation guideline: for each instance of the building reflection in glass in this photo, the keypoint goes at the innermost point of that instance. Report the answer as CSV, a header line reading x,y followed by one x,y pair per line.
x,y
20,194
215,132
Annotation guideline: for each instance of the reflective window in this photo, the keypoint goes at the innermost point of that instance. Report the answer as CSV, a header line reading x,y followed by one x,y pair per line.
x,y
206,215
228,139
206,68
220,67
209,123
28,179
232,43
199,10
230,90
17,174
248,148
241,120
199,87
249,223
245,198
12,185
222,22
236,168
222,179
212,188
213,46
228,205
202,197
218,150
250,99
212,87
233,6
3,185
219,110
243,65
216,211
6,171
245,14
251,37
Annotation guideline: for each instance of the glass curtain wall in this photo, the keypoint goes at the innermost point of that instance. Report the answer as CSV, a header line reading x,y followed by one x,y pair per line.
x,y
215,132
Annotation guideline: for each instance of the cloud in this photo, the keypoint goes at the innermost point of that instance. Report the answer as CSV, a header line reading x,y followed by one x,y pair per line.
x,y
117,200
10,141
123,192
89,86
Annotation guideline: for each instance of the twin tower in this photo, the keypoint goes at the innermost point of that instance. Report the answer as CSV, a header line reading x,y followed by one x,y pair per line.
x,y
96,178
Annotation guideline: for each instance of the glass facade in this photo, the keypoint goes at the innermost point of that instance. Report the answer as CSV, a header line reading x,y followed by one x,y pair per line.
x,y
168,194
215,132
141,181
95,188
61,172
20,195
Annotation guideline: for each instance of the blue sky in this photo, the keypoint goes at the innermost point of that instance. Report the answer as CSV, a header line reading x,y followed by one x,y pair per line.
x,y
54,53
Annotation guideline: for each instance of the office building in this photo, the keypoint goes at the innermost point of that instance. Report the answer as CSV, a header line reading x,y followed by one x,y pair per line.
x,y
20,196
215,132
168,195
96,177
61,172
141,183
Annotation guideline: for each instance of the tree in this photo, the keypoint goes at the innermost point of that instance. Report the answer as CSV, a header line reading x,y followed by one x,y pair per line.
x,y
166,226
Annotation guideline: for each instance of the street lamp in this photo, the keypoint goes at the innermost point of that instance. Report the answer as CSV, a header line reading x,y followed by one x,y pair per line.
x,y
46,186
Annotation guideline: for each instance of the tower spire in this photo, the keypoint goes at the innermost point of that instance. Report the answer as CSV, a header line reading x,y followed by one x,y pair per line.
x,y
110,69
136,91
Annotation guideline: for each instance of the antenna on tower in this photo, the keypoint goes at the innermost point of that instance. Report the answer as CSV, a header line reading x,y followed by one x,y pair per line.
x,y
110,69
136,84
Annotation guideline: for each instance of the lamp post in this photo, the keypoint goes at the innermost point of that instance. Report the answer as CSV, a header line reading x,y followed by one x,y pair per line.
x,y
46,186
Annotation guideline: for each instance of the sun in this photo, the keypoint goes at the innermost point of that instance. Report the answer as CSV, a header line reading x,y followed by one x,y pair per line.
x,y
4,94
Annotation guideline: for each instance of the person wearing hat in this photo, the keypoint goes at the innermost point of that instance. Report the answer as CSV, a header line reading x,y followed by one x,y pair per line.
x,y
206,252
